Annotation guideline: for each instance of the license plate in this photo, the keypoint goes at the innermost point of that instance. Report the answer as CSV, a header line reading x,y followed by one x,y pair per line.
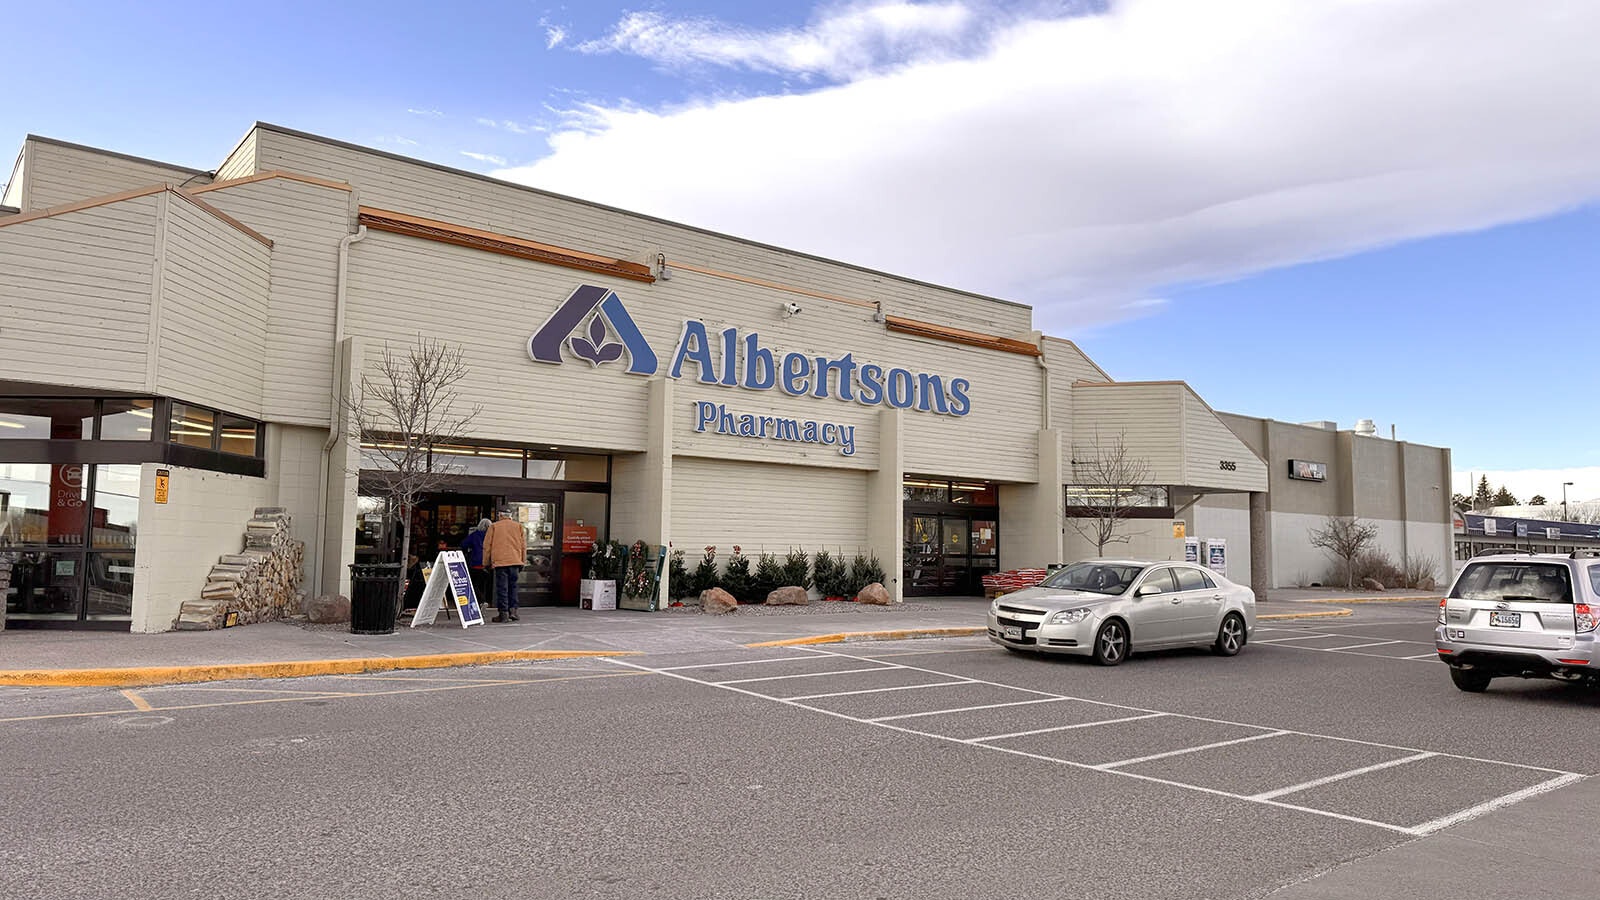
x,y
1011,632
1505,619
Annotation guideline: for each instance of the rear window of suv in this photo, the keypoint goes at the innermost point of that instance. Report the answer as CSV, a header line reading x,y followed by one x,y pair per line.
x,y
1524,581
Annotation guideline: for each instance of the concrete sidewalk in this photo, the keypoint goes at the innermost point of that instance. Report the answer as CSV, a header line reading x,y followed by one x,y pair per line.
x,y
287,649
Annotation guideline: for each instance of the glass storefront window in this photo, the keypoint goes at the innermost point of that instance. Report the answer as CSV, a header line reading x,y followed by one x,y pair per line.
x,y
108,579
501,462
46,418
975,493
192,426
920,490
116,507
127,420
41,584
1122,496
573,467
238,436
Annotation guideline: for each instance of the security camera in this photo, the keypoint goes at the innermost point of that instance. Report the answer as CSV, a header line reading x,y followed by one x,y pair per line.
x,y
791,309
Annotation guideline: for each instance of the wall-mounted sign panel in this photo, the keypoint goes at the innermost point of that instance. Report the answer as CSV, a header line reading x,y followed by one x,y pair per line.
x,y
1306,470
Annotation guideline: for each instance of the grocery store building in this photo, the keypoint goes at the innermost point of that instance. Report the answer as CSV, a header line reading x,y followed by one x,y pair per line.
x,y
179,346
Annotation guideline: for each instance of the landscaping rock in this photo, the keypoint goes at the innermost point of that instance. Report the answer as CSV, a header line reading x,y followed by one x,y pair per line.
x,y
876,594
718,601
1372,584
788,596
328,609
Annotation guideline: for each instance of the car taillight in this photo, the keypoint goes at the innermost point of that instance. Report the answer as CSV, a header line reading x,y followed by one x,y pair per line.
x,y
1585,616
1441,612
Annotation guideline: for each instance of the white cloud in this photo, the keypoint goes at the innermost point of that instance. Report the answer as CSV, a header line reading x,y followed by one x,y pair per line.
x,y
430,113
508,125
843,42
1526,483
1082,162
397,139
554,35
484,157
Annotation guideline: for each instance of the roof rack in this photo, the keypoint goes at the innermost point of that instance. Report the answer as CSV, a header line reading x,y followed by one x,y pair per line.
x,y
1585,553
1502,551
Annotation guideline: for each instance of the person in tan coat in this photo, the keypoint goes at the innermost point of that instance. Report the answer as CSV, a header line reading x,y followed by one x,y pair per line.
x,y
505,552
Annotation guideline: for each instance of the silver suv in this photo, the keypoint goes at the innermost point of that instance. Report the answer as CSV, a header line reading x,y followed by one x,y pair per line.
x,y
1528,615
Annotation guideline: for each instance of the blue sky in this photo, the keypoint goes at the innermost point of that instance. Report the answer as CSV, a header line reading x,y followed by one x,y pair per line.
x,y
1330,209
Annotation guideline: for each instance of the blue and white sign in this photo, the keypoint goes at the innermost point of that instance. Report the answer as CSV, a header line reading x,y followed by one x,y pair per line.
x,y
731,358
450,579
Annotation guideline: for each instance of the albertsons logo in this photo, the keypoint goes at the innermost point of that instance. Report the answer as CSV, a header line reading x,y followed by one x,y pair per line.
x,y
595,347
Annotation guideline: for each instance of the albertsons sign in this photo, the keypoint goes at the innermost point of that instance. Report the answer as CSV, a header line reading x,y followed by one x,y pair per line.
x,y
734,359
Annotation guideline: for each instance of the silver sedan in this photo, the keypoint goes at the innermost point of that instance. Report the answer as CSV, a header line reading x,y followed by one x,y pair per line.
x,y
1104,608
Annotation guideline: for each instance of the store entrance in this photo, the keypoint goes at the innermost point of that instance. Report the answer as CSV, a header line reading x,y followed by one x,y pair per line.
x,y
442,521
951,536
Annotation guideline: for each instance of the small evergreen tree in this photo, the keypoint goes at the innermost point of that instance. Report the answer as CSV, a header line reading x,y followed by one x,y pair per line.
x,y
797,569
875,574
825,571
768,577
1482,498
679,581
736,576
860,575
705,574
1537,500
1504,497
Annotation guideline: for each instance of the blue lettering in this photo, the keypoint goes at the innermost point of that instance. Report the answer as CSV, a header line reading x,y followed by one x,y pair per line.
x,y
930,394
830,432
693,344
847,444
730,357
760,373
871,384
747,425
902,389
846,367
796,374
809,435
705,414
959,404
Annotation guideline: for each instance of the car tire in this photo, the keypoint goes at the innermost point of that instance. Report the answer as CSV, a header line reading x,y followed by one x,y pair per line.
x,y
1470,680
1111,643
1230,636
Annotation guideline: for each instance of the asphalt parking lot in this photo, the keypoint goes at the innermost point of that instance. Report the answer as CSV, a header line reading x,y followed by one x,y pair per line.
x,y
1332,758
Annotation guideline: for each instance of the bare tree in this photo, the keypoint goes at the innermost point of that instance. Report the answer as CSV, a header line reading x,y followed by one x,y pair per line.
x,y
1345,538
408,405
1109,482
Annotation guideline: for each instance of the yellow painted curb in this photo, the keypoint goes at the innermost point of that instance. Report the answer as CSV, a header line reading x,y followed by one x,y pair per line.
x,y
1320,614
898,635
295,669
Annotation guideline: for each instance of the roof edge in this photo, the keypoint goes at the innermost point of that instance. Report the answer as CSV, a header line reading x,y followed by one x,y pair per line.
x,y
101,150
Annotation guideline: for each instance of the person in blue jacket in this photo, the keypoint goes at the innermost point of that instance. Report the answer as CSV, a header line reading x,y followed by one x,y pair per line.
x,y
472,548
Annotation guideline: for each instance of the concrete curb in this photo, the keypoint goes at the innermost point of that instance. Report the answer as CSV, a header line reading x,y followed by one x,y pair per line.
x,y
894,635
1319,614
132,677
1368,600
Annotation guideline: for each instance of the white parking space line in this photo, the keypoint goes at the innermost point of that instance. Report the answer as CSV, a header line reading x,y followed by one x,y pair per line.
x,y
904,687
805,675
1433,655
1359,646
962,709
1319,782
1017,734
1515,797
741,662
1560,779
1153,756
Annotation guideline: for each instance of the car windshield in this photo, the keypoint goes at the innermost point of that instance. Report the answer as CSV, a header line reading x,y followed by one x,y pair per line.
x,y
1094,577
1521,581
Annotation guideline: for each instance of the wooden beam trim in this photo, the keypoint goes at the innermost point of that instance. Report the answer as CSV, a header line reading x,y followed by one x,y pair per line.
x,y
79,205
274,173
462,235
960,336
206,207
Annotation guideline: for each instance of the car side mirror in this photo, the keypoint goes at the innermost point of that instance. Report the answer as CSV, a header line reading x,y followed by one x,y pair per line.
x,y
1146,590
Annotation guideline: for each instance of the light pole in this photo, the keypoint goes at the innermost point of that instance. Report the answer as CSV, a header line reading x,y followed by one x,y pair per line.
x,y
1564,486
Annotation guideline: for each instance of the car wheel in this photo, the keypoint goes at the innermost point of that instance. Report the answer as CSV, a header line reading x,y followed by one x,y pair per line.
x,y
1111,643
1470,680
1230,637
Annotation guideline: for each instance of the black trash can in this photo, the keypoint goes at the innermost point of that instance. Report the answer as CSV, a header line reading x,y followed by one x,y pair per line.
x,y
374,590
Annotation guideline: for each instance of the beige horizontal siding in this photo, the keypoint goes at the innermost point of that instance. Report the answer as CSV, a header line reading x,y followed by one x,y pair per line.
x,y
1147,418
59,174
75,296
766,508
306,223
241,162
427,191
213,312
1208,442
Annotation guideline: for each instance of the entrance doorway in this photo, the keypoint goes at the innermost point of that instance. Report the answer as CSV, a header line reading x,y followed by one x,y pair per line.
x,y
951,536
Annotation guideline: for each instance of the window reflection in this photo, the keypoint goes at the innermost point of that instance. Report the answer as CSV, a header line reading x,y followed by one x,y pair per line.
x,y
46,418
127,420
192,426
238,436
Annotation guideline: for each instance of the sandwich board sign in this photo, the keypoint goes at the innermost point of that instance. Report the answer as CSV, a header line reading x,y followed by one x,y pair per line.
x,y
448,581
